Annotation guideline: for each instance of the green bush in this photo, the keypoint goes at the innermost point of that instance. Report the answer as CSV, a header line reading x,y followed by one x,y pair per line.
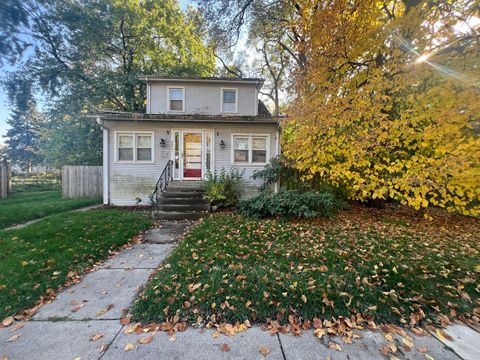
x,y
223,189
280,169
291,203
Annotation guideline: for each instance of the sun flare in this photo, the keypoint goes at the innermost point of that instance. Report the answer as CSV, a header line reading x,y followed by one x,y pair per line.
x,y
423,58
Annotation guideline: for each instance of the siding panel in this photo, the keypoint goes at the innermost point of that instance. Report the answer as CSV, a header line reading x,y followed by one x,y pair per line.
x,y
129,182
202,98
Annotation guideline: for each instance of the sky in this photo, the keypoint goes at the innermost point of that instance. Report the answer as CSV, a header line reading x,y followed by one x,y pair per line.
x,y
4,110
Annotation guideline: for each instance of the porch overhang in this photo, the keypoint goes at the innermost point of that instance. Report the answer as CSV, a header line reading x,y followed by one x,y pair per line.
x,y
199,118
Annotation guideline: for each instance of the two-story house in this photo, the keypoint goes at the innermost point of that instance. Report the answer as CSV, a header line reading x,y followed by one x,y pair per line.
x,y
197,125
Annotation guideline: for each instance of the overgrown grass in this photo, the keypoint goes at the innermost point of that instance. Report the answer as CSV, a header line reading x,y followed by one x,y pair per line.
x,y
238,269
39,257
21,207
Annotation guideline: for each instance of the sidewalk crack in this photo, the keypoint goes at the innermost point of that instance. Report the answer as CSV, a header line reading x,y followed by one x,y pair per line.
x,y
281,346
446,346
111,342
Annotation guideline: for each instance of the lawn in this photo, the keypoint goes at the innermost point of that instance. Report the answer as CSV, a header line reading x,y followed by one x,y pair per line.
x,y
21,207
40,257
378,265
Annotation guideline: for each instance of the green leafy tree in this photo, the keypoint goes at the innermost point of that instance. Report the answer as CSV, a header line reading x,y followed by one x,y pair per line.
x,y
270,28
88,55
23,137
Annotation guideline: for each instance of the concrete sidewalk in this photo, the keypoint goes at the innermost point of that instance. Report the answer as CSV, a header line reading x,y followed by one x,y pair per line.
x,y
64,328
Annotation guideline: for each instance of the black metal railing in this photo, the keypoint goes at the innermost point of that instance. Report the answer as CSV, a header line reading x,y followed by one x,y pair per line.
x,y
161,186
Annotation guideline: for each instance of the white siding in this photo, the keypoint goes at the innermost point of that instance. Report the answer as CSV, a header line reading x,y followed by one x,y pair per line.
x,y
203,98
128,181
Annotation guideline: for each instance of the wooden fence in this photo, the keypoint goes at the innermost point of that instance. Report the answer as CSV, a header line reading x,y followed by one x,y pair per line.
x,y
5,179
82,181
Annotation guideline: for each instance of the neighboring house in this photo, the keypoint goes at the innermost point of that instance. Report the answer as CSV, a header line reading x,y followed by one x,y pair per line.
x,y
201,124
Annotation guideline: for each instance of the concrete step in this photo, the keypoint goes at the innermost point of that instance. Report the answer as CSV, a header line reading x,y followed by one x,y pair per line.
x,y
186,183
183,194
174,188
183,207
177,215
182,201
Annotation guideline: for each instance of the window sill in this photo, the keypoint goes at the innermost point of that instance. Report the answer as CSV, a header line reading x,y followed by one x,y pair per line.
x,y
134,162
249,164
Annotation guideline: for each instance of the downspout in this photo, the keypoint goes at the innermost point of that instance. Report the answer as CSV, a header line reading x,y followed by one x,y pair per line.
x,y
149,96
106,164
277,151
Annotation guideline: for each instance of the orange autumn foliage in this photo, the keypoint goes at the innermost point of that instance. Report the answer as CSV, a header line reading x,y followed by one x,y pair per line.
x,y
388,105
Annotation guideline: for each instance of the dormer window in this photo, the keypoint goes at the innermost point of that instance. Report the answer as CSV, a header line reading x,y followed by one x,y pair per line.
x,y
229,100
176,99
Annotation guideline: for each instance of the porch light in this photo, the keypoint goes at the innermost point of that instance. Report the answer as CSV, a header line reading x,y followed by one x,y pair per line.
x,y
222,144
162,142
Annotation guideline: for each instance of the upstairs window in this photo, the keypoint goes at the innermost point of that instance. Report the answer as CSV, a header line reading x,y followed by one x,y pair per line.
x,y
250,149
135,147
229,101
176,99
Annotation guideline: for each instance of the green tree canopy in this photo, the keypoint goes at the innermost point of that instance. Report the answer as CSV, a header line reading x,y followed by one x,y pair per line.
x,y
89,54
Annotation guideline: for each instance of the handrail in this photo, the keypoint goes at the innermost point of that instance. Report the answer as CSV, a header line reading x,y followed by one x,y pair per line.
x,y
165,177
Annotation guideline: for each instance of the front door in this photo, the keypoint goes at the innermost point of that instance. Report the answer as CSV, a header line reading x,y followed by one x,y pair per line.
x,y
192,154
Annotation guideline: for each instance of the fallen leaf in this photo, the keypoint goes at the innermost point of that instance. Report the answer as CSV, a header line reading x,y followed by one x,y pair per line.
x,y
215,334
304,299
422,349
103,348
224,348
172,338
76,308
335,346
146,340
129,347
103,311
8,321
264,350
319,333
428,357
125,320
442,335
17,327
13,338
96,337
389,337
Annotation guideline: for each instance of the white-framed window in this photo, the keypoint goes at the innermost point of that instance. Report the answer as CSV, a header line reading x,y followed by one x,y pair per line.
x,y
176,98
229,100
134,146
250,149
